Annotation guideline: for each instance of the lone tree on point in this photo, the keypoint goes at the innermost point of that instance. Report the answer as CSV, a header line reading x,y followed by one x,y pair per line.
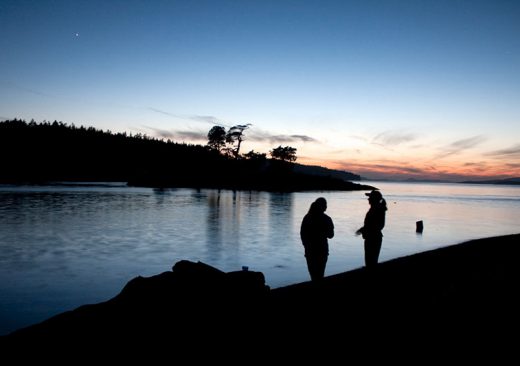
x,y
285,153
236,133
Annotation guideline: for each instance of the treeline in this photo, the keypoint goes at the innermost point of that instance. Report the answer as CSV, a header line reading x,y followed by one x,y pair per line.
x,y
55,151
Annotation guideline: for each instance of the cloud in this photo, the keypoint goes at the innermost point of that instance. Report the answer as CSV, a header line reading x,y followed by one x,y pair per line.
x,y
480,164
460,146
403,170
23,88
208,119
468,143
513,151
251,134
161,133
163,112
191,135
393,138
177,134
264,136
389,167
198,118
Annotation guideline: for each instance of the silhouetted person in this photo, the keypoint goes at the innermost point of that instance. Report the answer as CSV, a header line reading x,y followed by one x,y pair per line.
x,y
315,229
373,225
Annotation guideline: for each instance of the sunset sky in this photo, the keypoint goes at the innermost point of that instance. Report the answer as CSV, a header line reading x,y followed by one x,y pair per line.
x,y
384,89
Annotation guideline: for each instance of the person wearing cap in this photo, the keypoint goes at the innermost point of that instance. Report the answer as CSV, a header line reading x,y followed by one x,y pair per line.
x,y
373,226
316,228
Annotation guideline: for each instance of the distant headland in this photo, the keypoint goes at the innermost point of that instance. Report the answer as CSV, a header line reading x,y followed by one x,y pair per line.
x,y
512,181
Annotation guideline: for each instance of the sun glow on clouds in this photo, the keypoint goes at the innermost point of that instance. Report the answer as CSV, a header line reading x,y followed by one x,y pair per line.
x,y
388,154
392,155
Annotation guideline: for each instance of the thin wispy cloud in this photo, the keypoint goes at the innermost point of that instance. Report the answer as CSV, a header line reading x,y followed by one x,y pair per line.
x,y
361,138
251,134
265,136
164,112
459,146
513,151
479,165
15,86
159,132
390,166
198,118
208,119
177,135
393,138
397,168
191,135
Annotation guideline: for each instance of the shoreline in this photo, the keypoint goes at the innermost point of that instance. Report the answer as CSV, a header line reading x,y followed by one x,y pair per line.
x,y
439,287
313,183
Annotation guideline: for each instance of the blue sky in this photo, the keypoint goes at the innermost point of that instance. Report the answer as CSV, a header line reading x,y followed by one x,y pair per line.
x,y
381,88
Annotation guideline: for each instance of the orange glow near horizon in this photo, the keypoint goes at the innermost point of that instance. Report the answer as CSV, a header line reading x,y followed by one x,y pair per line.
x,y
450,171
431,159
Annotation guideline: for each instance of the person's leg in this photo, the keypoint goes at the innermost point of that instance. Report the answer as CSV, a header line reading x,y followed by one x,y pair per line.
x,y
372,249
316,265
377,248
321,264
311,266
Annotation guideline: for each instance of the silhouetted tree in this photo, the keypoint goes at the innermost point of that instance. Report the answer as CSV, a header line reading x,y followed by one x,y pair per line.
x,y
285,153
55,151
236,134
252,155
217,138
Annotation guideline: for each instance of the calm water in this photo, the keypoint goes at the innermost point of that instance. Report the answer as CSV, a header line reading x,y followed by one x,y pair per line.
x,y
65,246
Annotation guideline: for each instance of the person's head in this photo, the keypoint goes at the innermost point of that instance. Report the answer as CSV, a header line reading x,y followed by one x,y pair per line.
x,y
374,197
319,205
322,203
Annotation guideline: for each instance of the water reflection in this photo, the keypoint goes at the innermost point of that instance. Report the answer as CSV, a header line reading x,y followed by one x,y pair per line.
x,y
198,195
280,216
280,204
61,247
213,225
161,195
223,225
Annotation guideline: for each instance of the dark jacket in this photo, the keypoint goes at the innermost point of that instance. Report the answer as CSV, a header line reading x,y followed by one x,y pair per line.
x,y
314,231
374,222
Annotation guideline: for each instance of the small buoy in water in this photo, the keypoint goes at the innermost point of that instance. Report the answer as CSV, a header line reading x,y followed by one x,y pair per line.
x,y
419,226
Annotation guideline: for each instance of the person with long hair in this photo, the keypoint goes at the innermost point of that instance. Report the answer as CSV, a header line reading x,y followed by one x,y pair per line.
x,y
372,228
316,228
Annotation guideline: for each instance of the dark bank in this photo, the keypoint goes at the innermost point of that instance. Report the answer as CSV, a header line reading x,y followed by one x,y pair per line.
x,y
49,152
467,290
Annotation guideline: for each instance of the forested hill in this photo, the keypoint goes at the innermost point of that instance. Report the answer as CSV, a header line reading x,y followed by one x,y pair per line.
x,y
42,152
319,170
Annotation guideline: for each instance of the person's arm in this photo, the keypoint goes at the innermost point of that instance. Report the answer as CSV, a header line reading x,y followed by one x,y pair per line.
x,y
330,231
362,230
304,231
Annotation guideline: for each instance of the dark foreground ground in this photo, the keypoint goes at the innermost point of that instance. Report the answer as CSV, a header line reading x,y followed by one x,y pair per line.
x,y
461,299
